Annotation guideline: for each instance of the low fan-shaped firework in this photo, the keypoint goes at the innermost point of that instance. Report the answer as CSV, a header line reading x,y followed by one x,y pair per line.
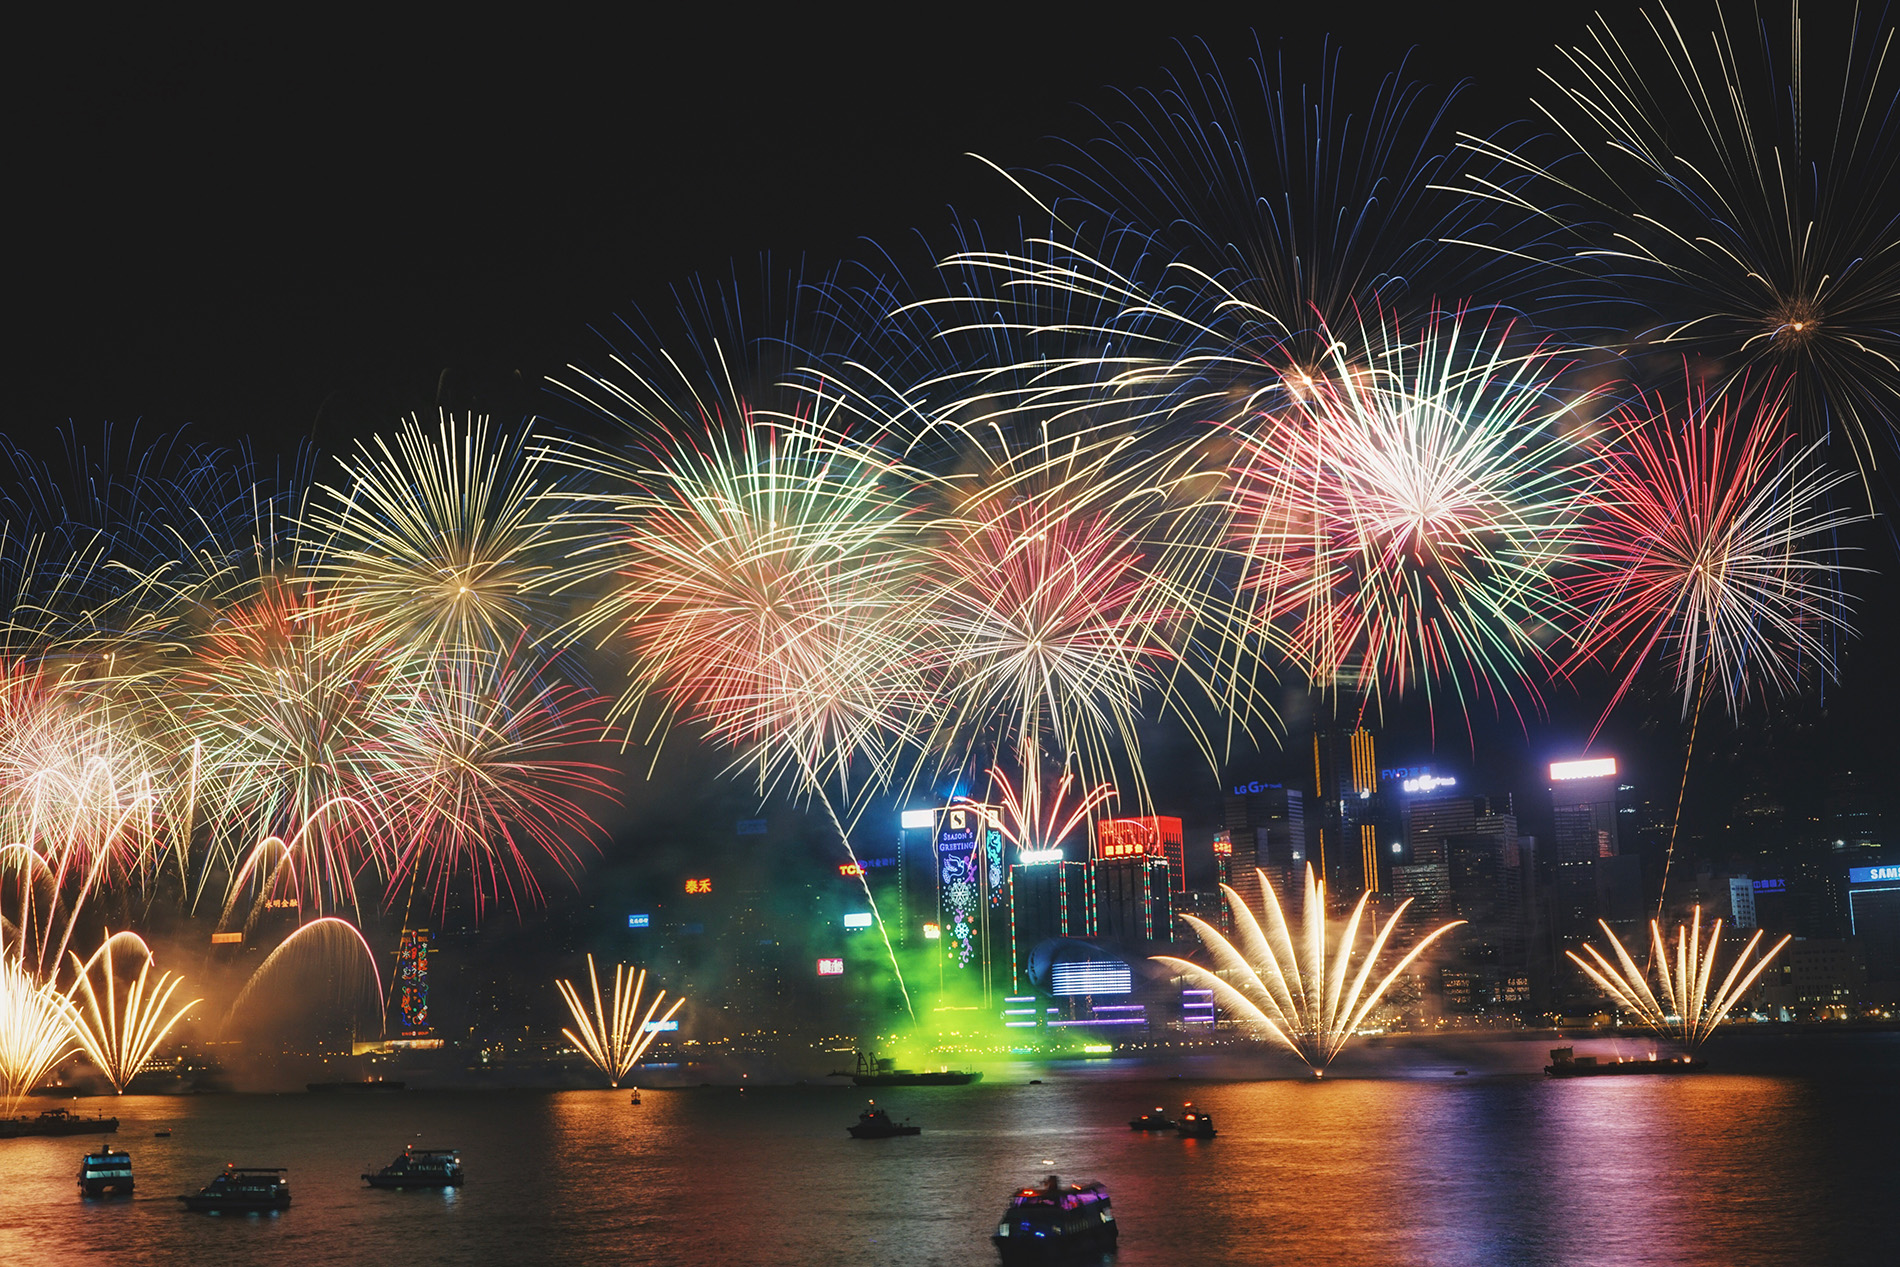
x,y
1286,990
615,1036
120,1036
1684,1010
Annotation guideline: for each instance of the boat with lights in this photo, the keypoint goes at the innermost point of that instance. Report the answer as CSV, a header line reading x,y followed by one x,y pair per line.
x,y
241,1190
1056,1223
56,1122
420,1168
108,1170
875,1123
1195,1124
1155,1121
873,1072
1565,1063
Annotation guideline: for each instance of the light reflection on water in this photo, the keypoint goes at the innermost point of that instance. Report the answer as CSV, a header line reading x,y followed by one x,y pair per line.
x,y
1785,1166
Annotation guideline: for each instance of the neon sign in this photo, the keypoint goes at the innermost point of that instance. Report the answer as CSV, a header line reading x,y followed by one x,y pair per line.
x,y
1030,857
639,921
659,1027
831,967
1593,768
702,885
917,818
1868,875
932,932
1427,782
858,919
850,868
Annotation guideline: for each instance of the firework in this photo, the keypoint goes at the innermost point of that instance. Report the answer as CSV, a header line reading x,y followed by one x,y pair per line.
x,y
119,1038
1737,193
1709,541
1686,1012
612,1039
440,541
1289,992
1402,517
1035,820
35,1032
328,950
485,778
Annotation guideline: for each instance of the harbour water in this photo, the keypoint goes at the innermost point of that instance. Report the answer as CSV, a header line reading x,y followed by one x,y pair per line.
x,y
1789,1152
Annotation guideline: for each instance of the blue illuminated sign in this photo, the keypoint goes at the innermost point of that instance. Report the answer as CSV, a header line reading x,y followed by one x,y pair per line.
x,y
659,1027
1243,789
1771,886
639,921
1868,875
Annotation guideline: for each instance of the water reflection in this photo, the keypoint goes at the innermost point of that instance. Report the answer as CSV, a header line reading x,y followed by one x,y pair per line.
x,y
1482,1170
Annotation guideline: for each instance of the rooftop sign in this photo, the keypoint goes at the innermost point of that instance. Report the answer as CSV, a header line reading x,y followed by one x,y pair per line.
x,y
1592,768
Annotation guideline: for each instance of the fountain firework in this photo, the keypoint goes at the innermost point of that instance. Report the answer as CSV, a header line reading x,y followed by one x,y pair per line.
x,y
120,1038
1685,1012
611,1038
1287,991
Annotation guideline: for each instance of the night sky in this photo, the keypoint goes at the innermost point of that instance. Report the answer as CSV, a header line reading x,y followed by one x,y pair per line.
x,y
273,235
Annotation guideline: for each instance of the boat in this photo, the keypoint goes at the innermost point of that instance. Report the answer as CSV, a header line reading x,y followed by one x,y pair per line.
x,y
1056,1222
884,1073
56,1122
1155,1121
108,1170
875,1123
365,1086
1565,1063
241,1190
1195,1124
420,1168
162,1134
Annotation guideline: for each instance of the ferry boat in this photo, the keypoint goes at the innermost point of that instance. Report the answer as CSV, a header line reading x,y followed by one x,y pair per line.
x,y
1565,1063
108,1170
56,1122
420,1168
884,1073
1155,1121
241,1190
1056,1222
1195,1124
875,1123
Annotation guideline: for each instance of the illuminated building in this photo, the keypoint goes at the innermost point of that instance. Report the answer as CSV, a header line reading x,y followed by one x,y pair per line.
x,y
1583,803
412,982
1351,814
1157,837
1047,900
1134,898
1873,912
971,900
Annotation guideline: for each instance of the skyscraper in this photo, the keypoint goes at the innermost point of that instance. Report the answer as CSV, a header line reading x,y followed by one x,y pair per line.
x,y
1154,837
1266,828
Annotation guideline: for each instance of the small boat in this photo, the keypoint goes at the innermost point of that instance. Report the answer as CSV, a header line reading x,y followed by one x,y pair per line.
x,y
1195,1124
420,1168
875,1123
164,1134
873,1072
1565,1063
1056,1222
1155,1121
241,1190
56,1122
1461,1073
108,1170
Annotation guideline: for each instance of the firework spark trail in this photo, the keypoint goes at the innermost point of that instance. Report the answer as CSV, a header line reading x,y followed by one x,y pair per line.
x,y
120,1039
1739,193
1035,820
1287,990
1685,1012
611,1038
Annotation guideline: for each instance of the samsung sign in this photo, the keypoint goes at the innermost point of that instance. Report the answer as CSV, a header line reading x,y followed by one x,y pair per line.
x,y
1870,875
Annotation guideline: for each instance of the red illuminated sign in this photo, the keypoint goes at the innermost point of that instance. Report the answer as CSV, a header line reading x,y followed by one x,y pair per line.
x,y
850,868
699,886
